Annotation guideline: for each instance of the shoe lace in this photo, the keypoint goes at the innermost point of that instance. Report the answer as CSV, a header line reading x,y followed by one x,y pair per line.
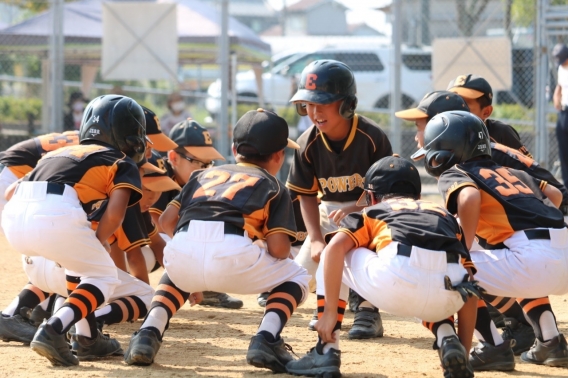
x,y
288,347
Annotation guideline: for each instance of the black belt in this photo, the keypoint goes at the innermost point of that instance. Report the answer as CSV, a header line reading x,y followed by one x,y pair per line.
x,y
543,234
55,188
229,229
406,250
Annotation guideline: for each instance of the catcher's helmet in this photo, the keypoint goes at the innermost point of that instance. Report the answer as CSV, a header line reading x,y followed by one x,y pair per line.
x,y
324,82
451,138
118,121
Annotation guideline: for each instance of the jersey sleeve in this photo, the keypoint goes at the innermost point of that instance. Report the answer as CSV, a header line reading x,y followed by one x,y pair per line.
x,y
302,178
449,185
281,216
127,176
353,225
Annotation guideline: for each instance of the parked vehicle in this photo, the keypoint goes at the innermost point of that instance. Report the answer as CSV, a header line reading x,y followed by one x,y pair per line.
x,y
371,65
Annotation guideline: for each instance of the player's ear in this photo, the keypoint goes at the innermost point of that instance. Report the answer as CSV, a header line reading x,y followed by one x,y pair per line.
x,y
234,149
173,157
486,112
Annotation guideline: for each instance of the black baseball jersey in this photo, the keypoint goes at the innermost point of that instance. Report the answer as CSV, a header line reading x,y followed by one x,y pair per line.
x,y
338,176
93,170
302,231
511,200
244,195
511,158
165,197
505,134
418,223
22,157
133,231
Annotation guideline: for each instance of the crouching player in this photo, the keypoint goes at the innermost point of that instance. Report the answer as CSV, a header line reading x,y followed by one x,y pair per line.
x,y
404,255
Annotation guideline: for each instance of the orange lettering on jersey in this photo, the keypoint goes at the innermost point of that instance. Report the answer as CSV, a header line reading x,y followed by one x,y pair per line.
x,y
398,204
332,184
51,142
323,185
311,81
219,178
342,184
352,182
241,181
78,151
505,178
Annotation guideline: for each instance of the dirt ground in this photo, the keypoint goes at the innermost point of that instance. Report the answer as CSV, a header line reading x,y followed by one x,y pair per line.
x,y
208,342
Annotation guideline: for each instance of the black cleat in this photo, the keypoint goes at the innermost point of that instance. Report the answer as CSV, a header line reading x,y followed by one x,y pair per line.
x,y
53,346
523,335
102,346
16,328
553,352
143,348
319,365
212,298
262,298
485,356
367,324
454,359
273,356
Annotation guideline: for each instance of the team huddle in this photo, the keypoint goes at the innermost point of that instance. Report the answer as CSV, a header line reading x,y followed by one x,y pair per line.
x,y
349,224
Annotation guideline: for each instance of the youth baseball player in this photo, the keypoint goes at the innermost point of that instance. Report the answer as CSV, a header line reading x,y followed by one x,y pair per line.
x,y
52,203
404,255
216,217
335,152
525,240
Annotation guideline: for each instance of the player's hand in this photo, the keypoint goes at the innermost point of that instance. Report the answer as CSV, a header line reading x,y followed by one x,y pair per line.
x,y
337,215
316,250
325,326
195,298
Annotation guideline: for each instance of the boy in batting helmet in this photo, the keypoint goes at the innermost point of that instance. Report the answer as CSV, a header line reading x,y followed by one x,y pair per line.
x,y
335,152
524,240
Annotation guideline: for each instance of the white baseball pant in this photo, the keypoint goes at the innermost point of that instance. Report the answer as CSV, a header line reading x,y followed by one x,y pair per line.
x,y
527,268
56,227
404,286
203,258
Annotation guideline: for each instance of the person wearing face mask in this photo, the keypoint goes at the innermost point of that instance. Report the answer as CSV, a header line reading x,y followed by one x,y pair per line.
x,y
77,103
177,113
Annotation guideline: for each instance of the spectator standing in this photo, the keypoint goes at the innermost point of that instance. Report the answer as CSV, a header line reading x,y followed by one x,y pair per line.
x,y
560,99
177,114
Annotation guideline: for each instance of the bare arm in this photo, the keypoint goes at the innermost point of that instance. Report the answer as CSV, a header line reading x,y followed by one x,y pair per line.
x,y
469,204
310,213
338,247
278,245
557,97
339,214
157,247
156,221
553,194
137,264
114,214
118,257
169,219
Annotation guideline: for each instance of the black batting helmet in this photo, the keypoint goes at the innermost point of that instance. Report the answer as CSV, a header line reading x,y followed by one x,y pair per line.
x,y
324,82
118,121
451,138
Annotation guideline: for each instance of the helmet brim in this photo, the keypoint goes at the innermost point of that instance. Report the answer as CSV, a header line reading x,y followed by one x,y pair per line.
x,y
420,154
317,97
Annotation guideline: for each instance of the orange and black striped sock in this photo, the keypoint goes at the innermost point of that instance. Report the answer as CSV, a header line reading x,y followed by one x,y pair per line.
x,y
341,305
125,309
282,301
433,327
534,308
83,301
507,306
29,297
168,297
483,322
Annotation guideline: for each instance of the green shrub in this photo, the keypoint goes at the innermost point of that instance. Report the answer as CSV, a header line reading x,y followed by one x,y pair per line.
x,y
18,110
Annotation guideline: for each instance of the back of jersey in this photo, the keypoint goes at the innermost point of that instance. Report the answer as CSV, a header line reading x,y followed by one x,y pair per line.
x,y
243,195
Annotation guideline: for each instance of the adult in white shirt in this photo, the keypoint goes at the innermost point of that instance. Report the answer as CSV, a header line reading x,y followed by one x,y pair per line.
x,y
560,99
177,114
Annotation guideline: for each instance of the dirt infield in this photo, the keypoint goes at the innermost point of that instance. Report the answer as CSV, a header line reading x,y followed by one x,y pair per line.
x,y
210,342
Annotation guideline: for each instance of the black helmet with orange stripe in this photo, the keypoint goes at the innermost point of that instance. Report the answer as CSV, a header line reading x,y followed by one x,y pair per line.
x,y
326,81
451,138
118,121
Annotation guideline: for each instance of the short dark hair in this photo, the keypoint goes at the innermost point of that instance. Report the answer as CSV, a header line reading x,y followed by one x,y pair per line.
x,y
484,101
249,154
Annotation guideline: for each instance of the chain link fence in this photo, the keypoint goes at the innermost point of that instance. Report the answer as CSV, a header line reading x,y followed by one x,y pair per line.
x,y
496,39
